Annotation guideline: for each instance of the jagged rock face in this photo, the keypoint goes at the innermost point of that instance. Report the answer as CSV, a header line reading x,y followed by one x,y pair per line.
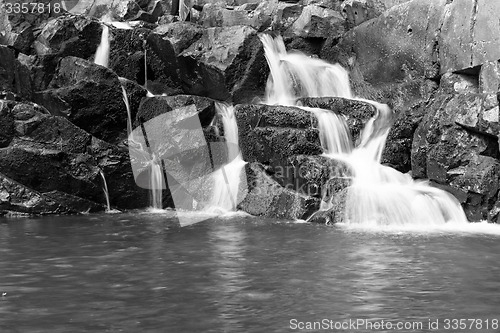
x,y
318,22
91,97
359,11
161,70
15,80
119,10
268,198
180,34
225,63
456,144
48,165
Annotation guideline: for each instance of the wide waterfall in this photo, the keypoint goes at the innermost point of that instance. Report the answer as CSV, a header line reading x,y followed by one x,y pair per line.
x,y
377,194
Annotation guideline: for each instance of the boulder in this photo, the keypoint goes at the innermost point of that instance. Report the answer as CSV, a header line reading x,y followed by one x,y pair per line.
x,y
217,15
91,97
180,34
15,80
318,22
118,10
470,35
267,198
130,47
49,165
359,11
455,145
64,36
225,63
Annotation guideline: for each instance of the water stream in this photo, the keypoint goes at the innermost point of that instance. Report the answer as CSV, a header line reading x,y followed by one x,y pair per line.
x,y
377,194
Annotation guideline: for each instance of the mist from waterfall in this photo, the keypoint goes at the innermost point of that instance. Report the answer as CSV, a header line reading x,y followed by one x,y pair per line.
x,y
377,194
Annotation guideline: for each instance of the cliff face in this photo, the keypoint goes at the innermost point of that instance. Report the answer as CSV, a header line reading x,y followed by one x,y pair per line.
x,y
435,62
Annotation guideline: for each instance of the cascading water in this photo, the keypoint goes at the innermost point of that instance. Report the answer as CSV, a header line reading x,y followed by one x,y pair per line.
x,y
377,194
156,184
105,190
102,53
226,180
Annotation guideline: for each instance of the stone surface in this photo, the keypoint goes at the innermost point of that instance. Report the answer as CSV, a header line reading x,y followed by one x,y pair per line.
x,y
225,63
91,97
161,70
359,11
318,22
267,198
180,34
469,36
15,80
454,145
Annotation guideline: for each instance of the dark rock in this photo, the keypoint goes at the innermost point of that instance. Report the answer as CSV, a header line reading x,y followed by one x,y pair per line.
x,y
91,97
119,10
217,15
454,145
64,36
267,198
128,50
15,80
180,34
225,62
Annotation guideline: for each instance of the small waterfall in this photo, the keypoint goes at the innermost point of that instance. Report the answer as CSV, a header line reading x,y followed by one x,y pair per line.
x,y
156,184
227,180
377,194
105,190
102,53
129,113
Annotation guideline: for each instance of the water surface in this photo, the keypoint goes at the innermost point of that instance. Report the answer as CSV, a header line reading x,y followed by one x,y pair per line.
x,y
142,272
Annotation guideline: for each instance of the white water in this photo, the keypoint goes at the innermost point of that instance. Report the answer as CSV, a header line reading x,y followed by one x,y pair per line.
x,y
378,194
228,185
130,132
156,184
102,53
106,191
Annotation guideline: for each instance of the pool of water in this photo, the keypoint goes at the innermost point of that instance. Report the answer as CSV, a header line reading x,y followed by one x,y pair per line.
x,y
142,272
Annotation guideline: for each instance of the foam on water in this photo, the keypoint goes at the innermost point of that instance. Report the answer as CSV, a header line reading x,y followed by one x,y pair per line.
x,y
378,195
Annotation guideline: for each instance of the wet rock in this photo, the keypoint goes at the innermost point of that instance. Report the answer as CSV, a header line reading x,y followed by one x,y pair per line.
x,y
64,36
359,11
336,213
455,145
154,106
315,21
225,62
217,15
469,36
267,198
357,113
180,34
15,80
119,10
459,83
91,97
129,48
489,77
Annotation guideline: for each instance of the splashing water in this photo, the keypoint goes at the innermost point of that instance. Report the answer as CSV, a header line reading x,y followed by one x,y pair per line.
x,y
227,180
102,53
156,184
377,194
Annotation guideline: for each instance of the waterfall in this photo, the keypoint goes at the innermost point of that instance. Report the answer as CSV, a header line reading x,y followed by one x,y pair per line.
x,y
377,194
156,184
105,190
102,53
227,186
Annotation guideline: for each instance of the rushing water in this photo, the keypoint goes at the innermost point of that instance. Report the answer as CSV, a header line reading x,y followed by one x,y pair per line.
x,y
102,53
377,194
140,272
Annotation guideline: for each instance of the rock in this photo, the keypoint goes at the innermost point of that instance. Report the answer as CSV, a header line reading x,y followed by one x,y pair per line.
x,y
359,11
489,77
91,97
459,83
15,80
64,36
52,166
225,62
357,113
336,213
470,36
119,10
318,22
180,34
128,49
216,15
267,198
454,145
335,4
